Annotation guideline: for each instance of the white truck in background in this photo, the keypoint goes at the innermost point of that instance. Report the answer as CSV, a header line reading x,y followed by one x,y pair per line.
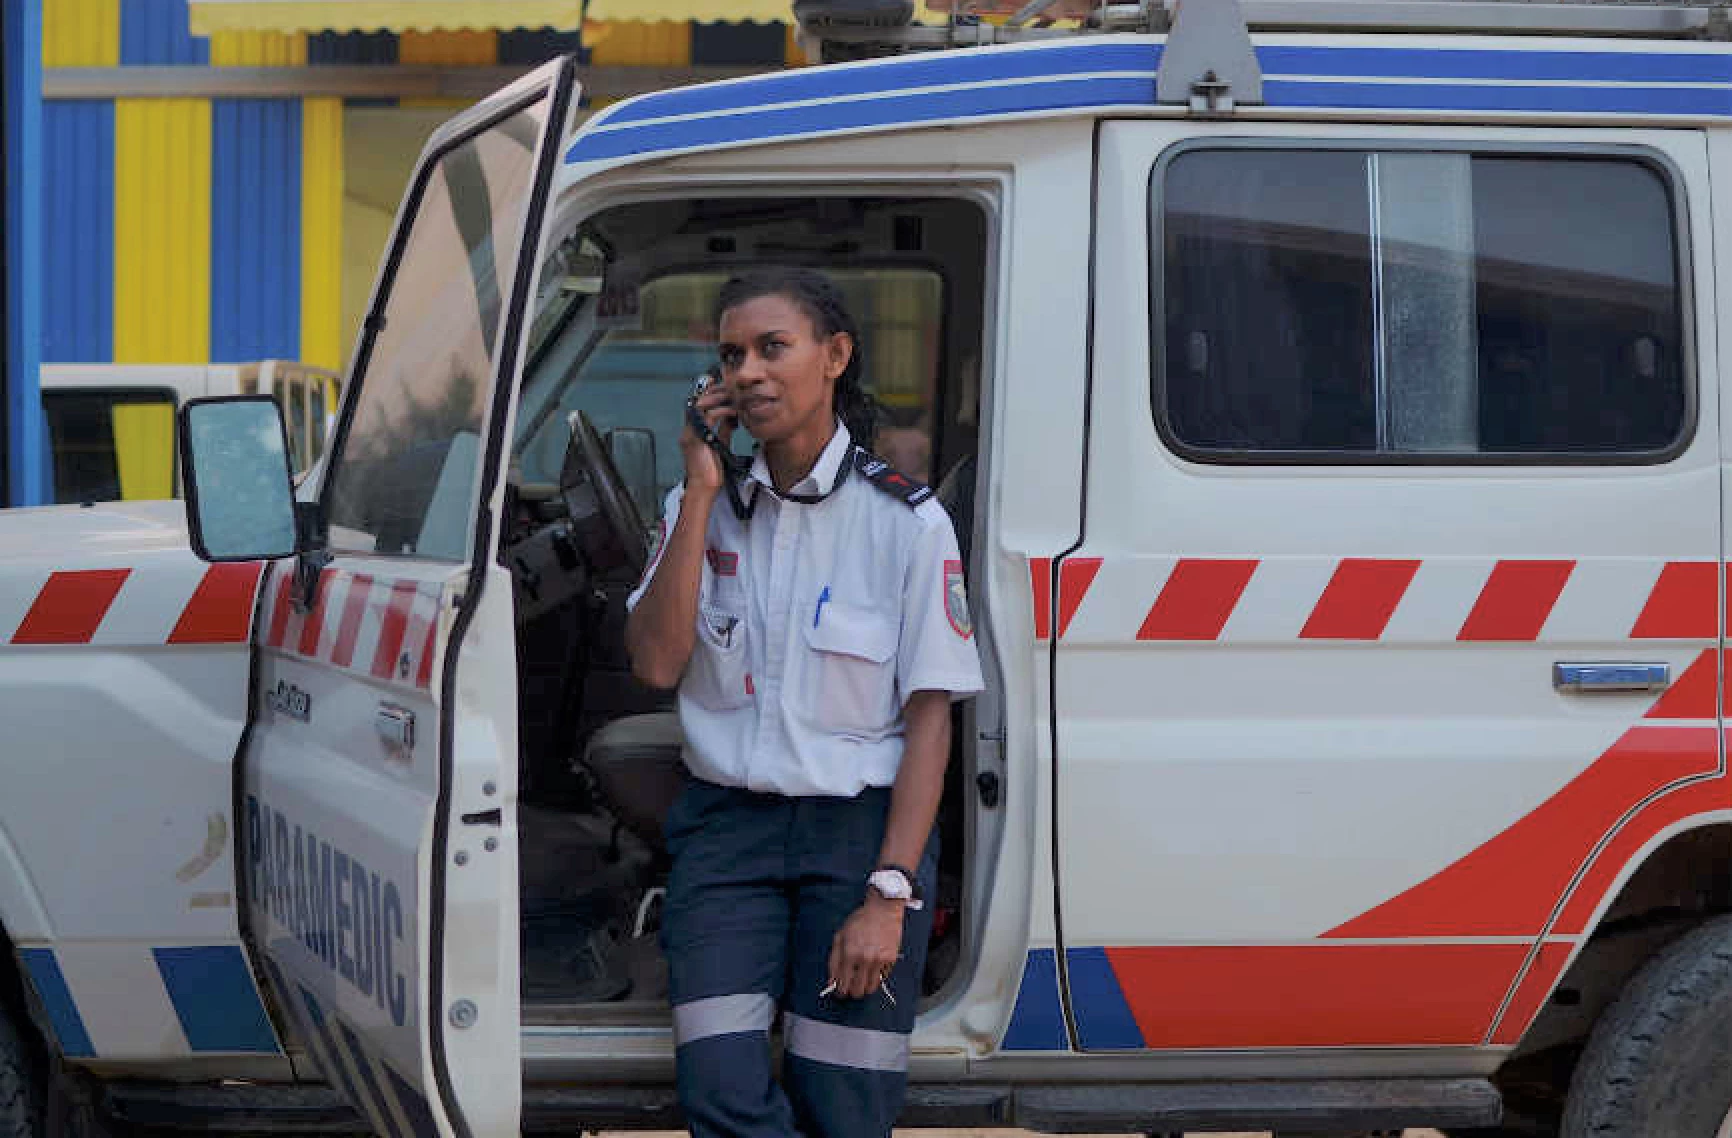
x,y
111,426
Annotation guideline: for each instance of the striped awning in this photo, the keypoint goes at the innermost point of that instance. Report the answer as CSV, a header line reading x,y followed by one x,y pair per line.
x,y
699,11
208,17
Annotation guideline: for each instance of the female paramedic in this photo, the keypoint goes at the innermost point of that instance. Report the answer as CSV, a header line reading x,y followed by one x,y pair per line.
x,y
811,612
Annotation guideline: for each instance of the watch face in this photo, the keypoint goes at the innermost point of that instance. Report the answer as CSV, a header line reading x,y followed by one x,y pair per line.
x,y
892,884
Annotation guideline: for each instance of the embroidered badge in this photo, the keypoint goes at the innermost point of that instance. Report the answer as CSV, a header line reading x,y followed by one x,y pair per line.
x,y
723,563
661,543
956,600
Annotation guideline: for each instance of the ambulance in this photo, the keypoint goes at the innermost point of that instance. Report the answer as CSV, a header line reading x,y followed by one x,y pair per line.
x,y
1327,395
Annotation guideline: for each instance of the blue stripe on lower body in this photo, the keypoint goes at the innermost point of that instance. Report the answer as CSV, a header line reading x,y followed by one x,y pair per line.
x,y
1103,1018
1037,1021
885,111
214,995
57,1002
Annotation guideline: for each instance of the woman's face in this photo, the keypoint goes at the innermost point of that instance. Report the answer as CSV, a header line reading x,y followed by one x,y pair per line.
x,y
780,372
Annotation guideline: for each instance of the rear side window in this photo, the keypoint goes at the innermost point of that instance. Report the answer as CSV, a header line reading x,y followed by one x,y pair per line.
x,y
111,446
1339,305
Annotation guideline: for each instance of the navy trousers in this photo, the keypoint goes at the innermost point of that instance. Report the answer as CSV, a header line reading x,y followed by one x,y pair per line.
x,y
760,886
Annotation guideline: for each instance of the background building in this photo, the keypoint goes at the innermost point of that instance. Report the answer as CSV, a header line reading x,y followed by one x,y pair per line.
x,y
219,178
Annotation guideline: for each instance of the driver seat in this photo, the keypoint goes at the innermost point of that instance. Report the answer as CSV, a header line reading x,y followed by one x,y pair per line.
x,y
637,768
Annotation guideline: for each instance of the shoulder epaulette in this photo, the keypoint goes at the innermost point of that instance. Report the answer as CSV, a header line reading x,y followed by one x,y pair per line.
x,y
890,480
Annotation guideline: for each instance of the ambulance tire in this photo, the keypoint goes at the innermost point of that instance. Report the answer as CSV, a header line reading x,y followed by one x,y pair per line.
x,y
1660,1059
20,1101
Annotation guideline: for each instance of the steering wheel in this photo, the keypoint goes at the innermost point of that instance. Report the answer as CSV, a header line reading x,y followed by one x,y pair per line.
x,y
609,530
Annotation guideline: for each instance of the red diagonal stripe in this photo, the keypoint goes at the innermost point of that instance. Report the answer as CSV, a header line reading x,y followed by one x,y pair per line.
x,y
221,608
280,609
349,628
70,607
1683,605
314,624
424,673
1359,600
1694,695
1040,580
391,629
1074,578
1516,600
1197,599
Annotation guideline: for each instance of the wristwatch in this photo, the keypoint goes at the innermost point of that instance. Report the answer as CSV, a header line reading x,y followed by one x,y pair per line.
x,y
894,883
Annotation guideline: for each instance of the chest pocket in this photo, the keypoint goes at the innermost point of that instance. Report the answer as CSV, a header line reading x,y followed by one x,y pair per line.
x,y
851,672
717,676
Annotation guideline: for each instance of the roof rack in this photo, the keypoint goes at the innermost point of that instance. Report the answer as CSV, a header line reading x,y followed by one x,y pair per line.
x,y
1648,19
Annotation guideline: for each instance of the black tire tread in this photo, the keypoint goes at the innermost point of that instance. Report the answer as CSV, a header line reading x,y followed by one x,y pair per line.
x,y
19,1106
1628,1045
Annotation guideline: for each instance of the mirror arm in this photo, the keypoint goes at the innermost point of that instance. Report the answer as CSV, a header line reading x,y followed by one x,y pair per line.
x,y
311,555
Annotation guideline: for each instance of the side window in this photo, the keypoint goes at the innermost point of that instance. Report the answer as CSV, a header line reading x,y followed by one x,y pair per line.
x,y
403,480
1332,304
111,446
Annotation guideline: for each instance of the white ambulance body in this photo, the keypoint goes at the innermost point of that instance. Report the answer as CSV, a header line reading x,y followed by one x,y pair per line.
x,y
1336,446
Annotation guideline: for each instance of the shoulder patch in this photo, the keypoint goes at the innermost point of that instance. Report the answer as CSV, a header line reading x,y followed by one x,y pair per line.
x,y
890,480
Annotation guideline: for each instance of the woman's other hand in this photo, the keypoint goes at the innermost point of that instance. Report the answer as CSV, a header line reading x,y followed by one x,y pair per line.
x,y
866,947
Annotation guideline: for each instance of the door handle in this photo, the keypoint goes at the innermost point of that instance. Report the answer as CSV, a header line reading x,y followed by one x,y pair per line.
x,y
1611,677
396,728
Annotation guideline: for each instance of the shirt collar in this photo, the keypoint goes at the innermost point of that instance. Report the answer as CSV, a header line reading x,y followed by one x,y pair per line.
x,y
822,478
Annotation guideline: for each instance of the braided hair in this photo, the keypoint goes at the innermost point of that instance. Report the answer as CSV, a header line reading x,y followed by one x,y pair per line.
x,y
818,297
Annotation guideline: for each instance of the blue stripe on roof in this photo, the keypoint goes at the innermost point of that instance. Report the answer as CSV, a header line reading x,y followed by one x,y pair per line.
x,y
899,74
1481,63
1447,97
911,90
890,110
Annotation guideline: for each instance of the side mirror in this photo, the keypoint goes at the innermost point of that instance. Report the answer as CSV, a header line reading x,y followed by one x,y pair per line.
x,y
634,454
234,455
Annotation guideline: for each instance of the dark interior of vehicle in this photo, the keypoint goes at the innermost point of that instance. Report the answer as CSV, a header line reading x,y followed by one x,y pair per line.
x,y
624,325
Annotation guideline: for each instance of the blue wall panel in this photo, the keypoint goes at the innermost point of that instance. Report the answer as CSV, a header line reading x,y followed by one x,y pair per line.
x,y
352,47
23,437
156,31
526,47
255,309
77,232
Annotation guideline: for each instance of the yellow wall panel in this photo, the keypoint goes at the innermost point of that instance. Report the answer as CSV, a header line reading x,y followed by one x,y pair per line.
x,y
258,49
81,33
479,49
322,233
144,450
162,218
662,43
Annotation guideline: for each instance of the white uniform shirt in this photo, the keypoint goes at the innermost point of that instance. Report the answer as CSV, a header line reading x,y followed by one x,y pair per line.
x,y
816,622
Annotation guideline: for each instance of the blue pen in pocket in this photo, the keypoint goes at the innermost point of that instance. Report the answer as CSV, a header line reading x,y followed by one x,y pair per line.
x,y
823,599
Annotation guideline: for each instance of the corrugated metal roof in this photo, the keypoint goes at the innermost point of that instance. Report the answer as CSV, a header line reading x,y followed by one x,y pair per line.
x,y
451,48
162,152
78,232
258,49
255,229
638,43
703,11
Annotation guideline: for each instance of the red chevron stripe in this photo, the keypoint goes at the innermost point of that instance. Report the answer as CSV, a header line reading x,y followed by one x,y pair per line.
x,y
1683,604
221,608
349,628
1359,600
1197,599
1516,600
70,607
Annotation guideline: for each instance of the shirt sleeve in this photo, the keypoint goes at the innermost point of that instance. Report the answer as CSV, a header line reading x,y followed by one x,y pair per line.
x,y
937,650
670,515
